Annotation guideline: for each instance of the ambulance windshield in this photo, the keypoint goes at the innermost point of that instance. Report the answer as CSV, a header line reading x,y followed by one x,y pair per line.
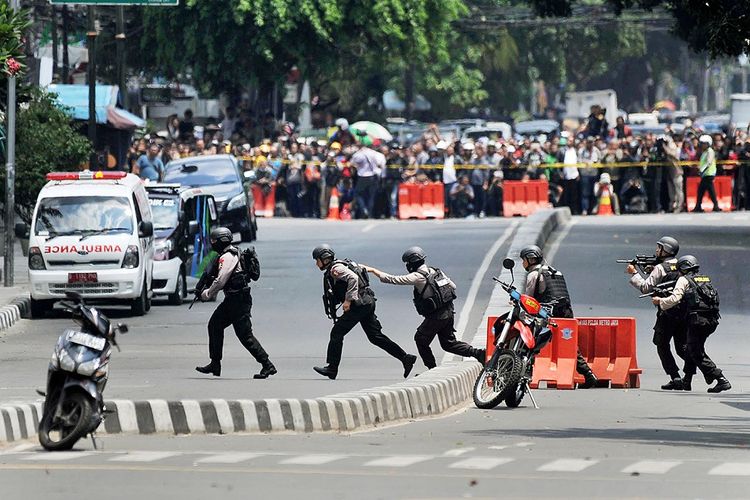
x,y
83,215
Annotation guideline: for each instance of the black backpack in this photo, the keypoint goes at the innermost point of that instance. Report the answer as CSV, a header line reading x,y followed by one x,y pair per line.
x,y
442,293
250,264
702,297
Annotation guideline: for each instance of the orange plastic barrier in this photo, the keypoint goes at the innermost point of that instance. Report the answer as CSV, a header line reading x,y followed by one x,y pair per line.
x,y
524,197
421,201
556,363
609,346
723,186
264,203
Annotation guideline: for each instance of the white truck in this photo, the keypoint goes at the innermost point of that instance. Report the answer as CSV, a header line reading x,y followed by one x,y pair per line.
x,y
91,233
578,104
740,111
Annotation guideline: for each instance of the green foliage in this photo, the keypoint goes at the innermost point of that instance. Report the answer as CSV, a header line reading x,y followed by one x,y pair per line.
x,y
45,142
12,27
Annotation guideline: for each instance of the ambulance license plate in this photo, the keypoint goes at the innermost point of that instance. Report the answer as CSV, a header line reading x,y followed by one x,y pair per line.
x,y
82,278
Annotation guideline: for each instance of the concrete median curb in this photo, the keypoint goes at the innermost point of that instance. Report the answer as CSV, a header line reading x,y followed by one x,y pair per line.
x,y
433,393
16,309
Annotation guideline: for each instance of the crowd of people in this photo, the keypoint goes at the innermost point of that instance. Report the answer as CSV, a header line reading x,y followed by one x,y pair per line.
x,y
634,173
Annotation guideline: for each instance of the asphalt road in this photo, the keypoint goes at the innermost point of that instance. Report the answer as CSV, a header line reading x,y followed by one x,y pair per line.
x,y
162,348
601,443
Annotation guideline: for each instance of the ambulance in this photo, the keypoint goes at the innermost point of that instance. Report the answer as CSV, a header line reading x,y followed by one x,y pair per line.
x,y
91,233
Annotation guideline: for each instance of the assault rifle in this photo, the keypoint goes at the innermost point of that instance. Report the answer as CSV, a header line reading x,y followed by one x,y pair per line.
x,y
661,290
644,263
205,281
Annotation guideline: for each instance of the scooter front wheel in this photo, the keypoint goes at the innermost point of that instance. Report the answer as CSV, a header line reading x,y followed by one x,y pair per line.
x,y
62,432
498,379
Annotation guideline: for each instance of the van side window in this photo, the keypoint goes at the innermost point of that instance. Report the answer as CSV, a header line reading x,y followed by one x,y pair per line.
x,y
142,200
138,216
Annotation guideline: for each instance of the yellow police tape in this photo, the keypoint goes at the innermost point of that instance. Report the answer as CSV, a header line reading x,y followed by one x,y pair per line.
x,y
692,163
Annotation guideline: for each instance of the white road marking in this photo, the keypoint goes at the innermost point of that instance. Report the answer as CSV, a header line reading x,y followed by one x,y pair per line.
x,y
144,456
651,466
731,469
499,447
228,458
398,461
58,456
369,227
567,465
463,316
480,463
457,452
523,444
312,459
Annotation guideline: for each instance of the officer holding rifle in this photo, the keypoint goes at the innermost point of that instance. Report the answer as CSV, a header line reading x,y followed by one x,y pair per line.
x,y
670,323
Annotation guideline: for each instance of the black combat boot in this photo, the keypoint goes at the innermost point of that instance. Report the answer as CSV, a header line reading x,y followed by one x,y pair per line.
x,y
326,371
408,362
480,355
265,372
687,382
214,368
722,384
673,385
590,380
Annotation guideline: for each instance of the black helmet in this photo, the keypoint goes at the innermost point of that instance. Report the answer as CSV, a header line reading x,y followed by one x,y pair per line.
x,y
413,258
669,245
532,252
687,264
221,238
323,252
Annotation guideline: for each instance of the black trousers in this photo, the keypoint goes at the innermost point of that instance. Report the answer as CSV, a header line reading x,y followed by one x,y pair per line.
x,y
235,311
667,328
443,329
365,316
706,184
696,350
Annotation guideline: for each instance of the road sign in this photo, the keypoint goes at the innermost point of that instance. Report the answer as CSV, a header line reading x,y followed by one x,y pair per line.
x,y
116,2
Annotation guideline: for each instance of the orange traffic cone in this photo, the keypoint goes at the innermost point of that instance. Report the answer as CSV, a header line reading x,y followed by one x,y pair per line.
x,y
333,205
605,202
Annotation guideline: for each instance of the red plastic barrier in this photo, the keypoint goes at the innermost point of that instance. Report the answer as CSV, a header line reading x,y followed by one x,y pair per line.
x,y
525,197
723,186
609,346
556,363
421,201
264,204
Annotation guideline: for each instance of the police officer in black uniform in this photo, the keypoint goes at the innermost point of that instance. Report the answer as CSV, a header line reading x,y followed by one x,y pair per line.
x,y
702,319
438,321
234,310
342,285
546,284
670,324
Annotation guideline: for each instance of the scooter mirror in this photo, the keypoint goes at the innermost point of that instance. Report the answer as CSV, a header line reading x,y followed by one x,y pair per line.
x,y
508,263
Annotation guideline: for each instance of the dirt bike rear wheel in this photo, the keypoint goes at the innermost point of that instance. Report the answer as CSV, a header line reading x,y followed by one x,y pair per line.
x,y
498,379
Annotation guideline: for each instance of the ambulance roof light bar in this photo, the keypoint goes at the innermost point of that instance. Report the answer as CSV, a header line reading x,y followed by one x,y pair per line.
x,y
85,175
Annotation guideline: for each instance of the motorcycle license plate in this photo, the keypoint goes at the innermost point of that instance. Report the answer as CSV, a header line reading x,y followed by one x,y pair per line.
x,y
87,340
82,278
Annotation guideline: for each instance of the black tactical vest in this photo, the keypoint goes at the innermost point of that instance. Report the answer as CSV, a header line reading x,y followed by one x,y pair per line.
x,y
555,288
237,283
336,289
671,274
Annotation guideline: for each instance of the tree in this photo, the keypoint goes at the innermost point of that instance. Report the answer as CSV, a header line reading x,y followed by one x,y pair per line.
x,y
12,27
45,142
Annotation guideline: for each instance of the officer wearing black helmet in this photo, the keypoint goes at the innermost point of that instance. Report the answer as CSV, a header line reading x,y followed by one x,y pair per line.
x,y
700,302
234,310
434,293
670,324
547,284
346,283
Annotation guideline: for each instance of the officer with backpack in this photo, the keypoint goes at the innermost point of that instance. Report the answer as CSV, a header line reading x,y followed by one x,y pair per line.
x,y
434,294
670,324
232,274
547,285
700,300
345,283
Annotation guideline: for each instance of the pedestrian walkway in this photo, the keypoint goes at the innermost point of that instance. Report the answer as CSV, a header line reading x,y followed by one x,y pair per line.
x,y
487,460
21,275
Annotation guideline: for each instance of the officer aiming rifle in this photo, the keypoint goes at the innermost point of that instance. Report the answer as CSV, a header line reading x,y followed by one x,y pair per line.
x,y
643,263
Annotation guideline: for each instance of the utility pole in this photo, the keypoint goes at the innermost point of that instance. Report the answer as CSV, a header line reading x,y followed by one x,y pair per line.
x,y
66,60
55,42
120,38
91,44
10,176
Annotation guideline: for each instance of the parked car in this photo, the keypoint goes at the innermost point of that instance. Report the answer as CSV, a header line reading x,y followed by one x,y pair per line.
x,y
220,176
535,128
183,219
493,130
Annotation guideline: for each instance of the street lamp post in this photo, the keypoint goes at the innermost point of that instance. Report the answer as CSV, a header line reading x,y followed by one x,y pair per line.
x,y
10,177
